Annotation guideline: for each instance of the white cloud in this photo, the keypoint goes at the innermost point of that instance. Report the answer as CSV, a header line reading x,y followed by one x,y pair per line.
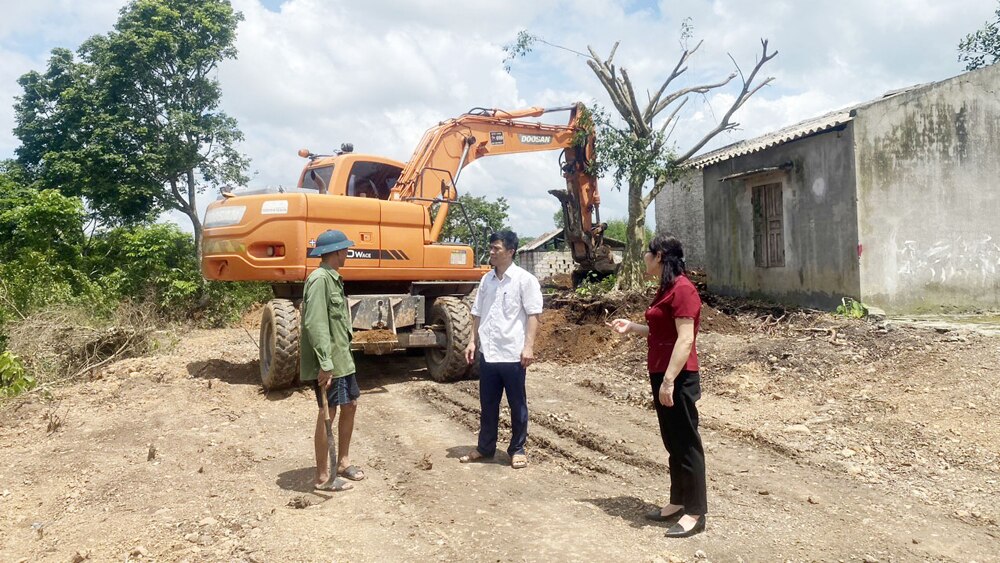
x,y
55,22
379,73
12,64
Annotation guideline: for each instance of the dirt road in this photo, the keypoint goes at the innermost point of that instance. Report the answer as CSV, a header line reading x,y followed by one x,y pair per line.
x,y
877,448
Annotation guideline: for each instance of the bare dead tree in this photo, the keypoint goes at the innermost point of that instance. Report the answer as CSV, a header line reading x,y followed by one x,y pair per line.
x,y
660,163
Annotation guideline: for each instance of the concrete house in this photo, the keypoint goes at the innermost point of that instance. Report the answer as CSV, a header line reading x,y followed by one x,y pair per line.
x,y
895,202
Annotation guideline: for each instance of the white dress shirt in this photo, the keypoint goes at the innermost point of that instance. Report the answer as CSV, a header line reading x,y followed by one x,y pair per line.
x,y
503,306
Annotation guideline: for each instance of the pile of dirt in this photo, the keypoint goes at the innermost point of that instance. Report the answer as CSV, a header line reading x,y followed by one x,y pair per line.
x,y
574,328
251,319
374,336
559,339
714,320
558,281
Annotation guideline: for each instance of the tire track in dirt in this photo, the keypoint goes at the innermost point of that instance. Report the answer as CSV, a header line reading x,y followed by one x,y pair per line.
x,y
582,435
542,446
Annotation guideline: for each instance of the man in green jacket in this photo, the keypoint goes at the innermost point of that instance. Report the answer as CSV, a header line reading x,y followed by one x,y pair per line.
x,y
325,357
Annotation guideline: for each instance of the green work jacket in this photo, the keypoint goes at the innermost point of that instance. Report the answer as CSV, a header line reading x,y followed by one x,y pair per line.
x,y
325,335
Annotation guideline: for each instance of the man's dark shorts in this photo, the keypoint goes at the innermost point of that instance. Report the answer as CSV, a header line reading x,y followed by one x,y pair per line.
x,y
342,390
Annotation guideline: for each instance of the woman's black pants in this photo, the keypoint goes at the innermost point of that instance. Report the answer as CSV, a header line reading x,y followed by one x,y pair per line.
x,y
679,430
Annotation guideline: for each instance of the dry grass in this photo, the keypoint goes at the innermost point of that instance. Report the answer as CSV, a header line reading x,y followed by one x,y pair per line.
x,y
67,342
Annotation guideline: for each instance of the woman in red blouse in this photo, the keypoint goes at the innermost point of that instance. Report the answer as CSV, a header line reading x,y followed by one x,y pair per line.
x,y
671,329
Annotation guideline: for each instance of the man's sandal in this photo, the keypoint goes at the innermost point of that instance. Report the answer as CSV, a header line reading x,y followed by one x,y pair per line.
x,y
353,472
335,485
519,461
473,457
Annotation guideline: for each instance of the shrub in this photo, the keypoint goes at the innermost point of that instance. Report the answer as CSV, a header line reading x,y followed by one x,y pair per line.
x,y
156,262
227,302
14,379
852,309
595,285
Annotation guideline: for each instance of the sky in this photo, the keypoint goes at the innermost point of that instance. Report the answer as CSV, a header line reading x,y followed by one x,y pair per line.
x,y
317,73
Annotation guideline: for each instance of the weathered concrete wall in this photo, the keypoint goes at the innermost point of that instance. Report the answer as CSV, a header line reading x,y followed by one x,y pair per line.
x,y
820,224
929,196
680,211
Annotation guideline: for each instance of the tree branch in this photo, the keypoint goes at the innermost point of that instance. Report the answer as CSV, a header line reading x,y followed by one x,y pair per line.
x,y
678,70
639,124
613,49
673,115
5,295
658,185
701,89
604,76
182,205
748,90
619,89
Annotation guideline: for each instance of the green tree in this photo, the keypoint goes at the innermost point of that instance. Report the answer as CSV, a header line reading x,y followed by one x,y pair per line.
x,y
618,229
635,144
134,125
981,48
485,216
41,244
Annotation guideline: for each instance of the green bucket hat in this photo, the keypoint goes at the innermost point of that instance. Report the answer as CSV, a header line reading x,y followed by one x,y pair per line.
x,y
330,241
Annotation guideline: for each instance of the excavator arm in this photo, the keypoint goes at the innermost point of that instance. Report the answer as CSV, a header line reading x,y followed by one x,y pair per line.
x,y
432,173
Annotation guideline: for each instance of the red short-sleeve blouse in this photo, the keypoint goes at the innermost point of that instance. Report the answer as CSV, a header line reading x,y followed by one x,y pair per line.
x,y
681,301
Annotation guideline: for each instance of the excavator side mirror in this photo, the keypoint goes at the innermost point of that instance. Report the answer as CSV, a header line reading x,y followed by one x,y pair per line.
x,y
347,147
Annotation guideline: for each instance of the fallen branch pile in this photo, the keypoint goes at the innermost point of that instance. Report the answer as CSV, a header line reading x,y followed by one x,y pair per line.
x,y
63,343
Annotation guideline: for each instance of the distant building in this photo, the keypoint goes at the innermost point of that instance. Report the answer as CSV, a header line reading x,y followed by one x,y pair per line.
x,y
547,255
895,202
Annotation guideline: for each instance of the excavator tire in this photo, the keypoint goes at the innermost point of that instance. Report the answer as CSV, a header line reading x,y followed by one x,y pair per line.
x,y
473,372
448,363
279,344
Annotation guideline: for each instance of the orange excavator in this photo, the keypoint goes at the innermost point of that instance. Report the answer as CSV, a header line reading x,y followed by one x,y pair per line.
x,y
405,288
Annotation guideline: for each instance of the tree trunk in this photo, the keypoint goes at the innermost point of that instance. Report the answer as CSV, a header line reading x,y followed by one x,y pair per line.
x,y
632,274
192,213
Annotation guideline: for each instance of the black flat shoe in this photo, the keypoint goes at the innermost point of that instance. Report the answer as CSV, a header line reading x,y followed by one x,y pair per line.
x,y
656,516
678,531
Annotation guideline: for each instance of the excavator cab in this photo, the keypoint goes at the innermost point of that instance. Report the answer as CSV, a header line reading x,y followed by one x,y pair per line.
x,y
372,179
353,175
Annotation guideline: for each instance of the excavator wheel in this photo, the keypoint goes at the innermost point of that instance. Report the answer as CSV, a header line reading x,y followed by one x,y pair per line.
x,y
448,363
279,344
473,372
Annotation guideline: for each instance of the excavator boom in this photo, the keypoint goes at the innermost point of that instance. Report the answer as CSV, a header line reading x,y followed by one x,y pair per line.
x,y
431,174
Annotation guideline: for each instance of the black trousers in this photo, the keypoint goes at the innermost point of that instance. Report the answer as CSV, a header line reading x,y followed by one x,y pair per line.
x,y
679,430
494,380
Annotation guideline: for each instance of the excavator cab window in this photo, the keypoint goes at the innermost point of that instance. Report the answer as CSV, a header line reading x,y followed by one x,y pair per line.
x,y
317,179
372,179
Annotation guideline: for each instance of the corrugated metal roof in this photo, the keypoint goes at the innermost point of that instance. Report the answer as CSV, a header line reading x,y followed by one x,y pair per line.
x,y
802,129
540,241
809,127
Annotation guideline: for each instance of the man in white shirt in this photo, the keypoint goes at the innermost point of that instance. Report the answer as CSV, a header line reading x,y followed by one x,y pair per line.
x,y
505,316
